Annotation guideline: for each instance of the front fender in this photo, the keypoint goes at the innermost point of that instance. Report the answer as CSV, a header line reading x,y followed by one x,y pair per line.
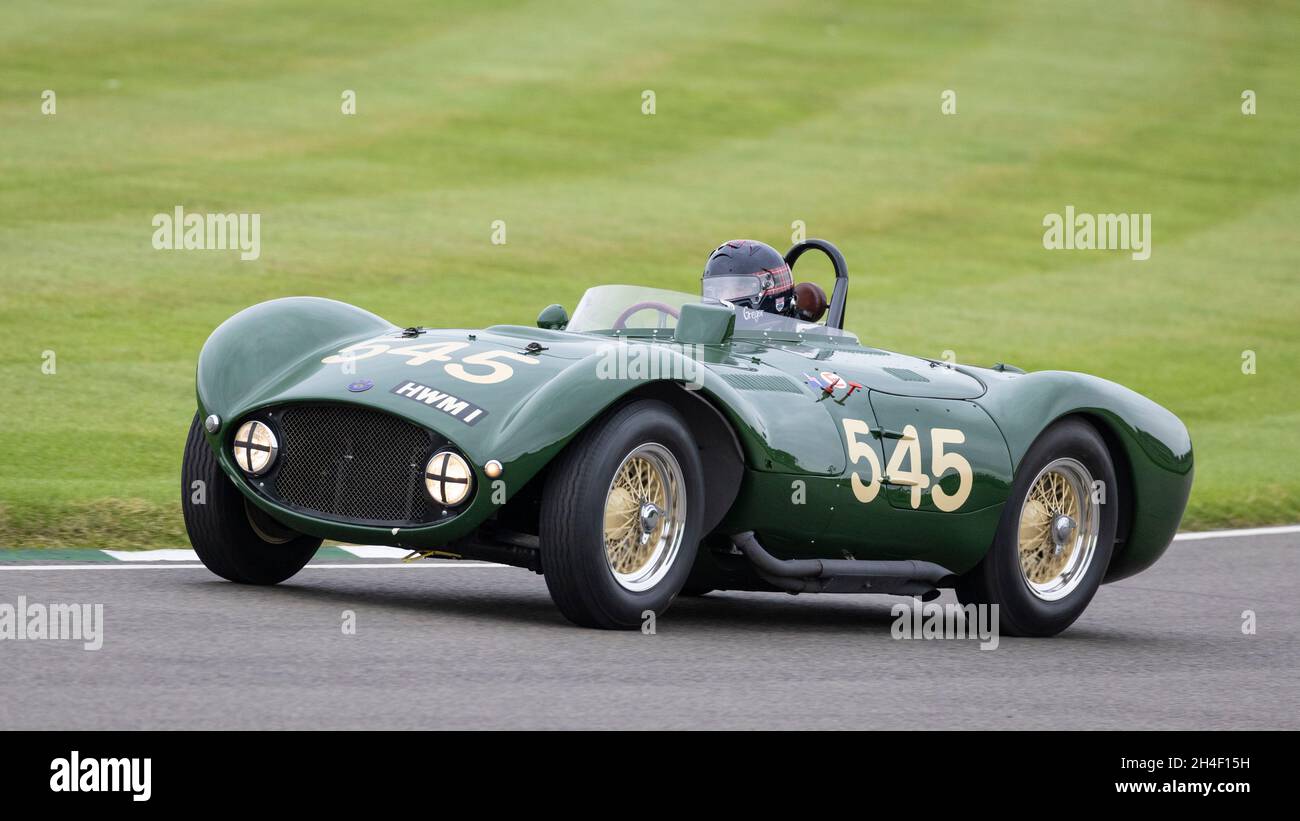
x,y
264,344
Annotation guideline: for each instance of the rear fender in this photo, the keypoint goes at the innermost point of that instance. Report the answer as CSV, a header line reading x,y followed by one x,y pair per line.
x,y
1154,443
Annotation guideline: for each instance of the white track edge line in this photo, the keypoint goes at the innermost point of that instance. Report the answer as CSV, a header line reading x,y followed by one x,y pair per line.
x,y
127,565
1232,534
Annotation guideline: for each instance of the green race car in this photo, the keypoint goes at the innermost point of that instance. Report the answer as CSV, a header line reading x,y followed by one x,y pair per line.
x,y
657,444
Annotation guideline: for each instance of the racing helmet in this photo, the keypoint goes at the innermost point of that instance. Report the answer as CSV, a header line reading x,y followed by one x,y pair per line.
x,y
749,273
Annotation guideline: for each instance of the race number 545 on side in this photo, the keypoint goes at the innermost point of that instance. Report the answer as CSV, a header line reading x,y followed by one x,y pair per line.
x,y
905,465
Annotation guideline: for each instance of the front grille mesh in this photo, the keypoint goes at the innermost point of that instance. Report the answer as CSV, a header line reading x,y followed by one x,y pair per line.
x,y
352,463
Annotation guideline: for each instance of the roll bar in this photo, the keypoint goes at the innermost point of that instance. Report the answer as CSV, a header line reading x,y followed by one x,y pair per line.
x,y
835,315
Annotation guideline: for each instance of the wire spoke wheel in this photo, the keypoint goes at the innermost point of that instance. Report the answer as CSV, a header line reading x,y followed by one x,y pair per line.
x,y
1058,529
620,516
645,517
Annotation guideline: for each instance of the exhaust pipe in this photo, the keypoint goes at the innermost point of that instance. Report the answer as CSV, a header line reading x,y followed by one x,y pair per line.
x,y
900,578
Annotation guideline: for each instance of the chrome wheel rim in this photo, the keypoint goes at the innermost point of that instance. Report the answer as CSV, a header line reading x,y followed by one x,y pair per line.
x,y
645,517
1058,527
265,533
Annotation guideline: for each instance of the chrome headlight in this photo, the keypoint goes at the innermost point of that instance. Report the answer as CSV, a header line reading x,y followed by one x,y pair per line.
x,y
448,478
255,448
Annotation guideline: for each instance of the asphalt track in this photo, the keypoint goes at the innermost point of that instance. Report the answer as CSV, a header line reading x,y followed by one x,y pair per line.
x,y
481,647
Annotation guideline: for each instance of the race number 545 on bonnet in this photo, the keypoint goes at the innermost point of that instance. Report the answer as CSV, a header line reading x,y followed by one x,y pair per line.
x,y
482,368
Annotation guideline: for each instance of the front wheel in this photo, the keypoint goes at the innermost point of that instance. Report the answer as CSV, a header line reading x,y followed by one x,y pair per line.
x,y
1055,537
232,537
620,517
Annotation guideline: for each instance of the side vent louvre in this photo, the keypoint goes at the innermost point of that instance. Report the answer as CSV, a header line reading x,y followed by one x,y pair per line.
x,y
905,375
760,382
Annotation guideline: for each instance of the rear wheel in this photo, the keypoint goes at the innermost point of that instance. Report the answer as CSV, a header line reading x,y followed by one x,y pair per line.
x,y
1055,537
232,537
620,517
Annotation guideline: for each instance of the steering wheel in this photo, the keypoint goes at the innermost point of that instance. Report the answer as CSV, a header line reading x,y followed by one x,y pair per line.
x,y
666,311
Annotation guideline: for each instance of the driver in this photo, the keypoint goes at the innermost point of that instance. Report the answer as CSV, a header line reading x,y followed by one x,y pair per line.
x,y
751,274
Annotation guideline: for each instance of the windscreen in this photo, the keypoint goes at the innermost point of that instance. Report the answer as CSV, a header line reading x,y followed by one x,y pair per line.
x,y
640,310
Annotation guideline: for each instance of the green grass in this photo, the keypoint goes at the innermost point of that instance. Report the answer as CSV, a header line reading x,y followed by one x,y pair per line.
x,y
767,112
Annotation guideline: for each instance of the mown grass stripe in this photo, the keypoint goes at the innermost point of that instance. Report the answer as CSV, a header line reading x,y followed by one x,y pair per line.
x,y
79,554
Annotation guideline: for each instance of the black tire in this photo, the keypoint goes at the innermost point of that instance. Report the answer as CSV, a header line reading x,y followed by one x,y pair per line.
x,y
577,573
998,578
220,528
695,591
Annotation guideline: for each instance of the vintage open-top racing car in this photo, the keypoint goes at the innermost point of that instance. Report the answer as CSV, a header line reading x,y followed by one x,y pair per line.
x,y
660,443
